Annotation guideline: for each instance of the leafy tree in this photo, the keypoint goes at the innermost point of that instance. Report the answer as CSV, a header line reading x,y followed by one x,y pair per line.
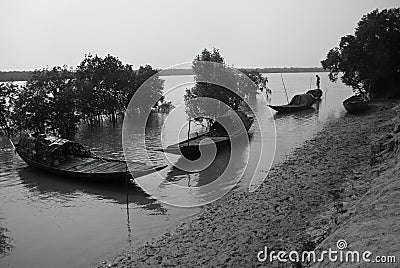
x,y
106,86
154,86
7,95
369,60
220,74
57,99
257,78
103,85
32,108
48,101
236,89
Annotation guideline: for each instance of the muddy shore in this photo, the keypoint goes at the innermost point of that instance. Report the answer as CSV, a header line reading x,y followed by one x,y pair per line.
x,y
5,246
303,202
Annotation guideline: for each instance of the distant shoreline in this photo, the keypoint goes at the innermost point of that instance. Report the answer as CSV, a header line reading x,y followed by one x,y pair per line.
x,y
13,76
261,70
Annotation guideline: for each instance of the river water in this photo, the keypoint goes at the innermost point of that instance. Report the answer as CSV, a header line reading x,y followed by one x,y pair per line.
x,y
56,222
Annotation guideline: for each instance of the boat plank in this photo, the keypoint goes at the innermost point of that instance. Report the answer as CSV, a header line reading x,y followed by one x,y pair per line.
x,y
99,166
215,139
114,167
118,167
89,165
76,163
139,168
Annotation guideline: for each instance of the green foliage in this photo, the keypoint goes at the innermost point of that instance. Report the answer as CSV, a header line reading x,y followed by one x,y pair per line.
x,y
210,56
203,89
369,60
57,99
257,78
103,85
48,101
229,87
106,86
154,86
7,93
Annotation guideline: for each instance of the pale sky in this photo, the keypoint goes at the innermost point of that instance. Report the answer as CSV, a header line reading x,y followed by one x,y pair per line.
x,y
253,33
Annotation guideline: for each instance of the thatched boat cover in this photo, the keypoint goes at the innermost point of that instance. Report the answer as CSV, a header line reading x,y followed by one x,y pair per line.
x,y
49,149
316,93
228,121
302,100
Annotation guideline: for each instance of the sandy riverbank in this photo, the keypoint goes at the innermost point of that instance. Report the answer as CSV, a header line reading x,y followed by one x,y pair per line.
x,y
304,201
372,224
5,247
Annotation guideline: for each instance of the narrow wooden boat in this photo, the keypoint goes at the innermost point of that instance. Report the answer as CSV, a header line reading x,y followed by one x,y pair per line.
x,y
316,93
298,103
289,108
217,135
67,158
356,104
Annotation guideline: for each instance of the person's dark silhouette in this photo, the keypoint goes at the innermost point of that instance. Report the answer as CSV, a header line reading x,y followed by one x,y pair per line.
x,y
318,81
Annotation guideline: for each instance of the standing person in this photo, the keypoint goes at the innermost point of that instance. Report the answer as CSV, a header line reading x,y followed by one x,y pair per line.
x,y
318,81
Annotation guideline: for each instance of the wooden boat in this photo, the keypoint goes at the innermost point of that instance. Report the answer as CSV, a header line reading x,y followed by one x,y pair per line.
x,y
316,93
298,103
217,135
67,158
356,104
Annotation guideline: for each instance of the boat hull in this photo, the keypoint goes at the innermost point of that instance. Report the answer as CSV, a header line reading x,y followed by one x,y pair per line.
x,y
289,108
121,176
356,105
299,102
191,147
192,151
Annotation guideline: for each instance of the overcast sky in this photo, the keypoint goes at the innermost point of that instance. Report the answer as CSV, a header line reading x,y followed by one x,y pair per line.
x,y
162,33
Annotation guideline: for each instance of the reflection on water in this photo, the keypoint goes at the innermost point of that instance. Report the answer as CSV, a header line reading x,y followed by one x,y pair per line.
x,y
64,189
303,114
57,222
208,175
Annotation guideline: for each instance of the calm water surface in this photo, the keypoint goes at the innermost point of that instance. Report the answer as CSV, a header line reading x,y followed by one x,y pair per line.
x,y
56,222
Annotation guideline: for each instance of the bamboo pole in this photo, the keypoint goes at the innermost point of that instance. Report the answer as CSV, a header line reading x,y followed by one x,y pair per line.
x,y
127,187
127,200
283,82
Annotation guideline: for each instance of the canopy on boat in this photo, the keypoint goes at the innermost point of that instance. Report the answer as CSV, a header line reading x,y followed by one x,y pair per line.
x,y
47,149
302,100
229,122
316,93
